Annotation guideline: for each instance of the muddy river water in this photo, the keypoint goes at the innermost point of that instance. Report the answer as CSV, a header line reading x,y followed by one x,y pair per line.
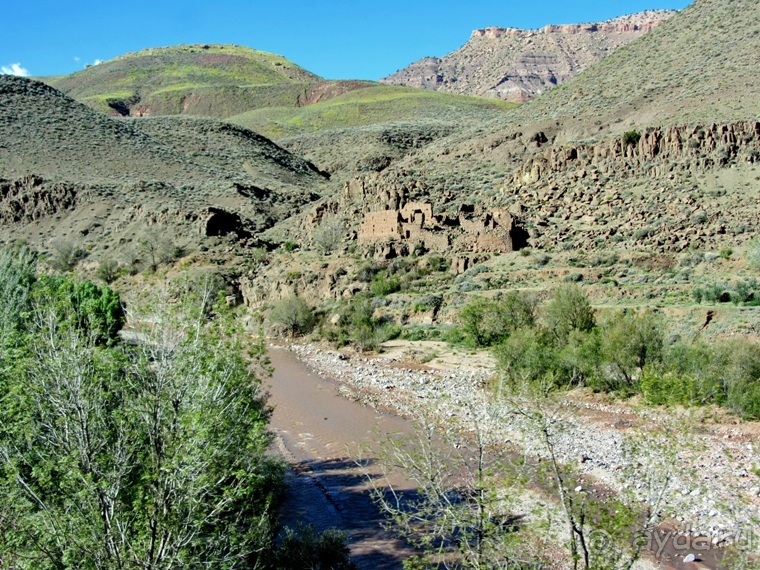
x,y
324,435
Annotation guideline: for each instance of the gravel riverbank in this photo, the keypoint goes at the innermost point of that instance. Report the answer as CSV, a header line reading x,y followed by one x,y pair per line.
x,y
714,490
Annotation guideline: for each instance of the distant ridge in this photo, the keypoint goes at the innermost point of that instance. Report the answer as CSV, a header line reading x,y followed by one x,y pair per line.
x,y
517,65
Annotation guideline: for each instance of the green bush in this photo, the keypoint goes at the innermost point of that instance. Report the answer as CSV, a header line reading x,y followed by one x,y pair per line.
x,y
292,316
17,276
94,309
630,341
306,549
121,453
528,355
568,309
485,322
382,285
660,387
631,138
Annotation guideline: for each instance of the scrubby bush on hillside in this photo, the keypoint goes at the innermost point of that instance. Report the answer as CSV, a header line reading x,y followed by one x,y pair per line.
x,y
487,322
328,235
292,316
631,138
65,255
568,309
753,255
358,326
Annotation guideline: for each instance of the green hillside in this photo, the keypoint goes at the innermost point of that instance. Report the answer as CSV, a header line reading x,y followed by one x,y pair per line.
x,y
210,80
368,106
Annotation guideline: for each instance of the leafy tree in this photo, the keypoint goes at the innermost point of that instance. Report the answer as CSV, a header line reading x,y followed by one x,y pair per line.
x,y
568,309
630,341
460,513
83,304
17,275
487,322
146,456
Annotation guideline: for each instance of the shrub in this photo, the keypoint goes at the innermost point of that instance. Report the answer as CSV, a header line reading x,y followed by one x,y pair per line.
x,y
630,342
486,322
528,355
382,285
65,255
306,549
17,275
108,270
292,316
568,309
753,255
631,138
94,309
328,236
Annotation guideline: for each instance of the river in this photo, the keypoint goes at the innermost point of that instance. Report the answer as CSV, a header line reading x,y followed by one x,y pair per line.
x,y
324,435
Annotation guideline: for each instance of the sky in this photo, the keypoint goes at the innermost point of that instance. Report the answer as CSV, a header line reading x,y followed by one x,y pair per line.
x,y
336,39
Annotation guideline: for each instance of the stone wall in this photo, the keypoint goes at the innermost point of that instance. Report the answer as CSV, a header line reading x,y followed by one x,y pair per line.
x,y
380,226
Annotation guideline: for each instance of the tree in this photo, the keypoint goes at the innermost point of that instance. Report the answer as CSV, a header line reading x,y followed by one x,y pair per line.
x,y
292,316
487,322
146,456
630,341
459,515
328,235
568,309
602,533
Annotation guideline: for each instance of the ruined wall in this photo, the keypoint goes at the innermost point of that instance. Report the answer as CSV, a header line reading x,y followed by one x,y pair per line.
x,y
380,226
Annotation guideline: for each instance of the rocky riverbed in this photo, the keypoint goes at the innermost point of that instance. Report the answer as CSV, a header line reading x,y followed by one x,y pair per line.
x,y
713,489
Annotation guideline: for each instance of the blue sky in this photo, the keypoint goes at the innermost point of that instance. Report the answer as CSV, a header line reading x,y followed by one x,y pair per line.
x,y
337,39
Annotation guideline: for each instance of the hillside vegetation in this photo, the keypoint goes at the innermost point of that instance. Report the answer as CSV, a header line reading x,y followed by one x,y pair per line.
x,y
371,105
210,80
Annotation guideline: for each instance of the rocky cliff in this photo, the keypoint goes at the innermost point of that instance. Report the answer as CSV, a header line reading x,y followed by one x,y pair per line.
x,y
517,65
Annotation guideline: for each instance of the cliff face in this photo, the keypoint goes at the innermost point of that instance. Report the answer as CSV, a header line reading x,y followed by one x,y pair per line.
x,y
517,65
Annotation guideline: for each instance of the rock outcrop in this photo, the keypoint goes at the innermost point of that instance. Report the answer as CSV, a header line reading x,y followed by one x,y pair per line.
x,y
32,198
642,190
517,65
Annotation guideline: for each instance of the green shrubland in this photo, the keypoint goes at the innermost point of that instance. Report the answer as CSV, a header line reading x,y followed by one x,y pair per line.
x,y
561,343
151,452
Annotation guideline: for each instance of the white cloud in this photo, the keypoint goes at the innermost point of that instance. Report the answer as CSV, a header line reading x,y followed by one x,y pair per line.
x,y
14,69
76,58
97,62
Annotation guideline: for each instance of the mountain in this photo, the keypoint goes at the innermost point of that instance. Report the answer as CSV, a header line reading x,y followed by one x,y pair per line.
x,y
210,80
517,65
369,128
654,147
67,170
